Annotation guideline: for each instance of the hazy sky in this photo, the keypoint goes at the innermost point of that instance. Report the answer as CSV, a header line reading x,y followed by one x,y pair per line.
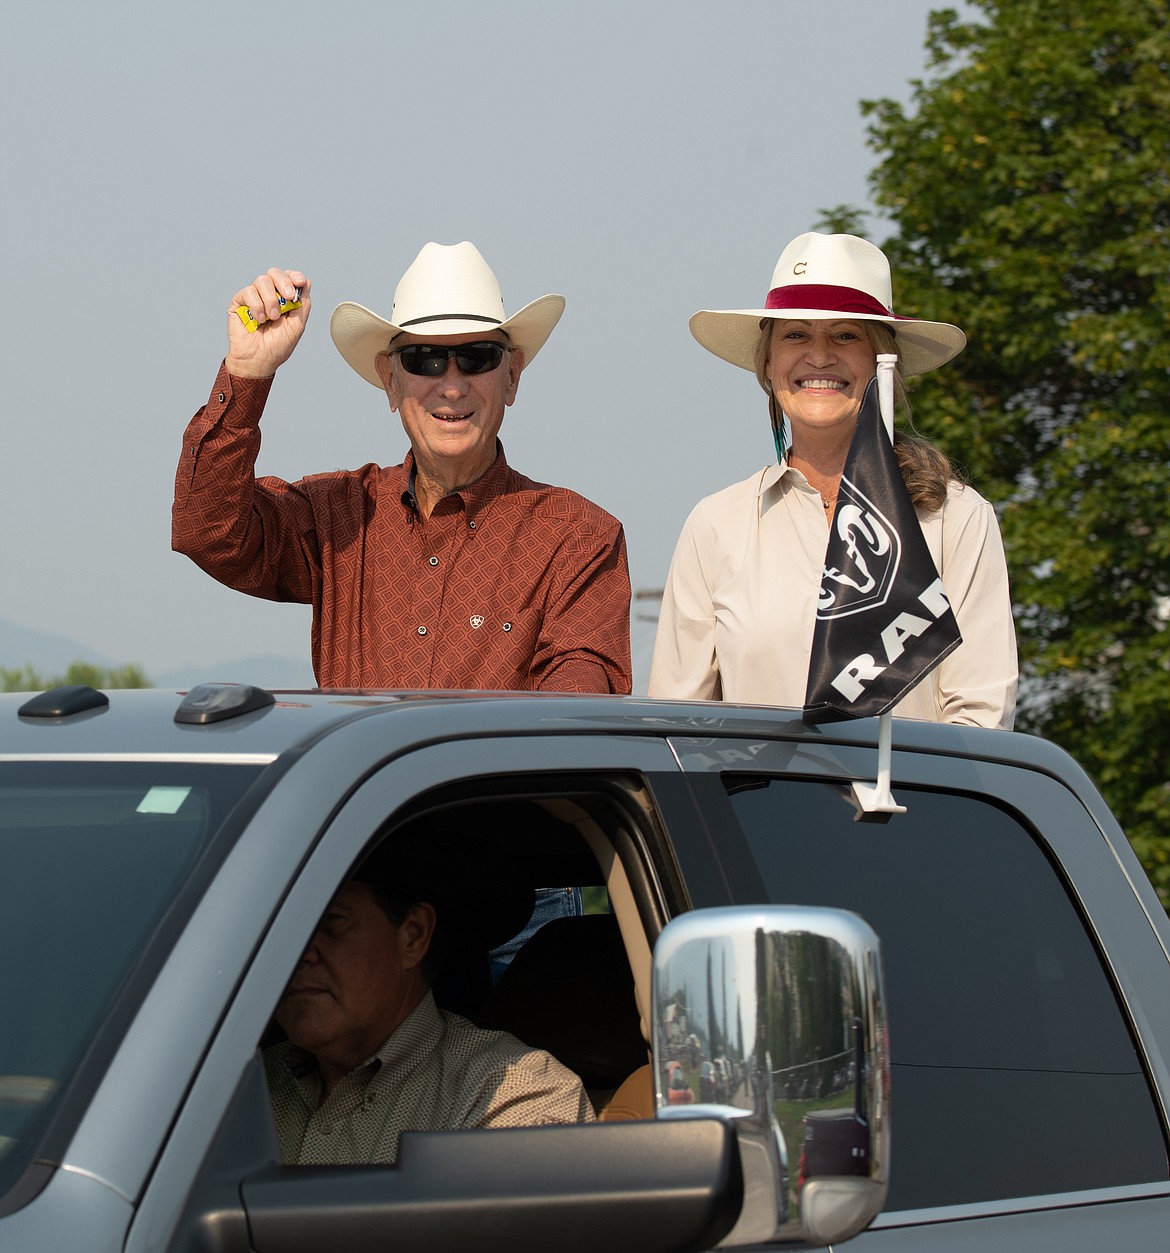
x,y
643,159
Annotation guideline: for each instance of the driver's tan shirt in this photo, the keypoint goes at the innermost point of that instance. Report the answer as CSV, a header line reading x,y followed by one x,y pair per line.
x,y
437,1072
740,603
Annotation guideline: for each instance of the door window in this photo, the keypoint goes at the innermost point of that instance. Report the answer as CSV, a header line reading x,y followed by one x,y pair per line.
x,y
1014,1072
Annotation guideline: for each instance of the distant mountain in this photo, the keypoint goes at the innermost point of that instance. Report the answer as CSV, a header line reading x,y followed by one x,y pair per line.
x,y
263,671
44,650
50,653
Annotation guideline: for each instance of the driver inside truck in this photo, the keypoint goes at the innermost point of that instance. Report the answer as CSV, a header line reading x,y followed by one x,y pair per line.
x,y
369,1054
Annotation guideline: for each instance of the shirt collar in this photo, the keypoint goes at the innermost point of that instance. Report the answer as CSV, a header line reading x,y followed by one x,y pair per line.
x,y
411,1041
409,1046
475,495
770,476
414,1037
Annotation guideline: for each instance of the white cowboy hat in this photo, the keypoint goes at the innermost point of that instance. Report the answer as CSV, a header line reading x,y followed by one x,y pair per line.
x,y
828,276
449,289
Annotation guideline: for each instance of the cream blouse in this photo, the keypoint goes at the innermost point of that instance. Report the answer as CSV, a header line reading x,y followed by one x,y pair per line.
x,y
740,603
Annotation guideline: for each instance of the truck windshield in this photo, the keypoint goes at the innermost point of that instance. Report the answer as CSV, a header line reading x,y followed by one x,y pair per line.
x,y
97,859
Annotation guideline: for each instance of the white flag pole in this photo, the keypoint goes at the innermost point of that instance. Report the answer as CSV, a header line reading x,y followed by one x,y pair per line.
x,y
875,803
885,377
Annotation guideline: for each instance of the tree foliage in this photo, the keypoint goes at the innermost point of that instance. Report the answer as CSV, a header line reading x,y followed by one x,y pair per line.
x,y
80,673
1029,184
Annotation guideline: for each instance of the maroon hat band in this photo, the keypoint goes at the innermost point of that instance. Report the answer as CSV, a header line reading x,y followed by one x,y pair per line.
x,y
826,296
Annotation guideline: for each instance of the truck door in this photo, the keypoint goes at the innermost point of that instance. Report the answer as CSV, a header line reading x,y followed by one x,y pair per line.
x,y
1021,1075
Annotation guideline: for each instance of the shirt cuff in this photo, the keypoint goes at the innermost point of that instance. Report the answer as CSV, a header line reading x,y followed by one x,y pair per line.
x,y
238,401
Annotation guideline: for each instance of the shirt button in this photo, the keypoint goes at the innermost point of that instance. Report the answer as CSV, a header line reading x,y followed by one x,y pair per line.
x,y
471,524
422,630
507,626
434,561
221,398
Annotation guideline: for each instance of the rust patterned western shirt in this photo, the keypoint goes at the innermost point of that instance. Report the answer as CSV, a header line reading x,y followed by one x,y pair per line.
x,y
509,584
437,1072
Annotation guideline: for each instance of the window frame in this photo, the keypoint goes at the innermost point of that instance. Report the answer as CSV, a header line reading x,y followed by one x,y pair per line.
x,y
1089,853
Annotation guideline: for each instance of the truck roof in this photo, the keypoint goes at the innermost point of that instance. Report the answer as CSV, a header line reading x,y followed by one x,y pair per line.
x,y
142,722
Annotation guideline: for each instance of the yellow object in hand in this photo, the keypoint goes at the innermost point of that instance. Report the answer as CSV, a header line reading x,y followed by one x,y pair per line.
x,y
286,306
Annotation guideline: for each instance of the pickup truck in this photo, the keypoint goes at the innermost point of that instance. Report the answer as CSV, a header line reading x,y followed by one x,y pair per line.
x,y
952,1025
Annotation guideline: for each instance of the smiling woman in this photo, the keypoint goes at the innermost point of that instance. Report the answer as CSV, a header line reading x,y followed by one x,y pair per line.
x,y
741,600
817,371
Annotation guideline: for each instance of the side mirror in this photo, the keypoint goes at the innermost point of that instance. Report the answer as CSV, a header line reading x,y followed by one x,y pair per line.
x,y
773,1018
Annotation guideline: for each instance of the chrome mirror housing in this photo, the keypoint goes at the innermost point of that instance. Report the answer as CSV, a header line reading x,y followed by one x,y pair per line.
x,y
773,1017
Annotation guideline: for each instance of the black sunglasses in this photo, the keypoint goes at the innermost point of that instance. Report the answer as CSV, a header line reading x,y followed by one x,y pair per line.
x,y
430,360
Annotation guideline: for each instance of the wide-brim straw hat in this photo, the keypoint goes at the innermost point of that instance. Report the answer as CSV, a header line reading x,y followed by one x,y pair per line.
x,y
449,289
828,276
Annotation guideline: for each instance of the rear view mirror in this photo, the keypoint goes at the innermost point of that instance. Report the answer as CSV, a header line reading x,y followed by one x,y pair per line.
x,y
773,1017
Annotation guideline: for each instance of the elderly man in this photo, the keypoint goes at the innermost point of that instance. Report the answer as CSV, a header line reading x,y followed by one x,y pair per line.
x,y
450,570
369,1055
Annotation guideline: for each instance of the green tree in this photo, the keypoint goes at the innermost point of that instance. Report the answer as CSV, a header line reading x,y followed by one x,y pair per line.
x,y
1028,181
80,673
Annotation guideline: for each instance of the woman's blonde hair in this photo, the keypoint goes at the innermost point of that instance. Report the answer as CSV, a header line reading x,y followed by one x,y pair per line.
x,y
926,470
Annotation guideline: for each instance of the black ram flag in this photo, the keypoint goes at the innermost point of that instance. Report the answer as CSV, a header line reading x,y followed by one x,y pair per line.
x,y
883,619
